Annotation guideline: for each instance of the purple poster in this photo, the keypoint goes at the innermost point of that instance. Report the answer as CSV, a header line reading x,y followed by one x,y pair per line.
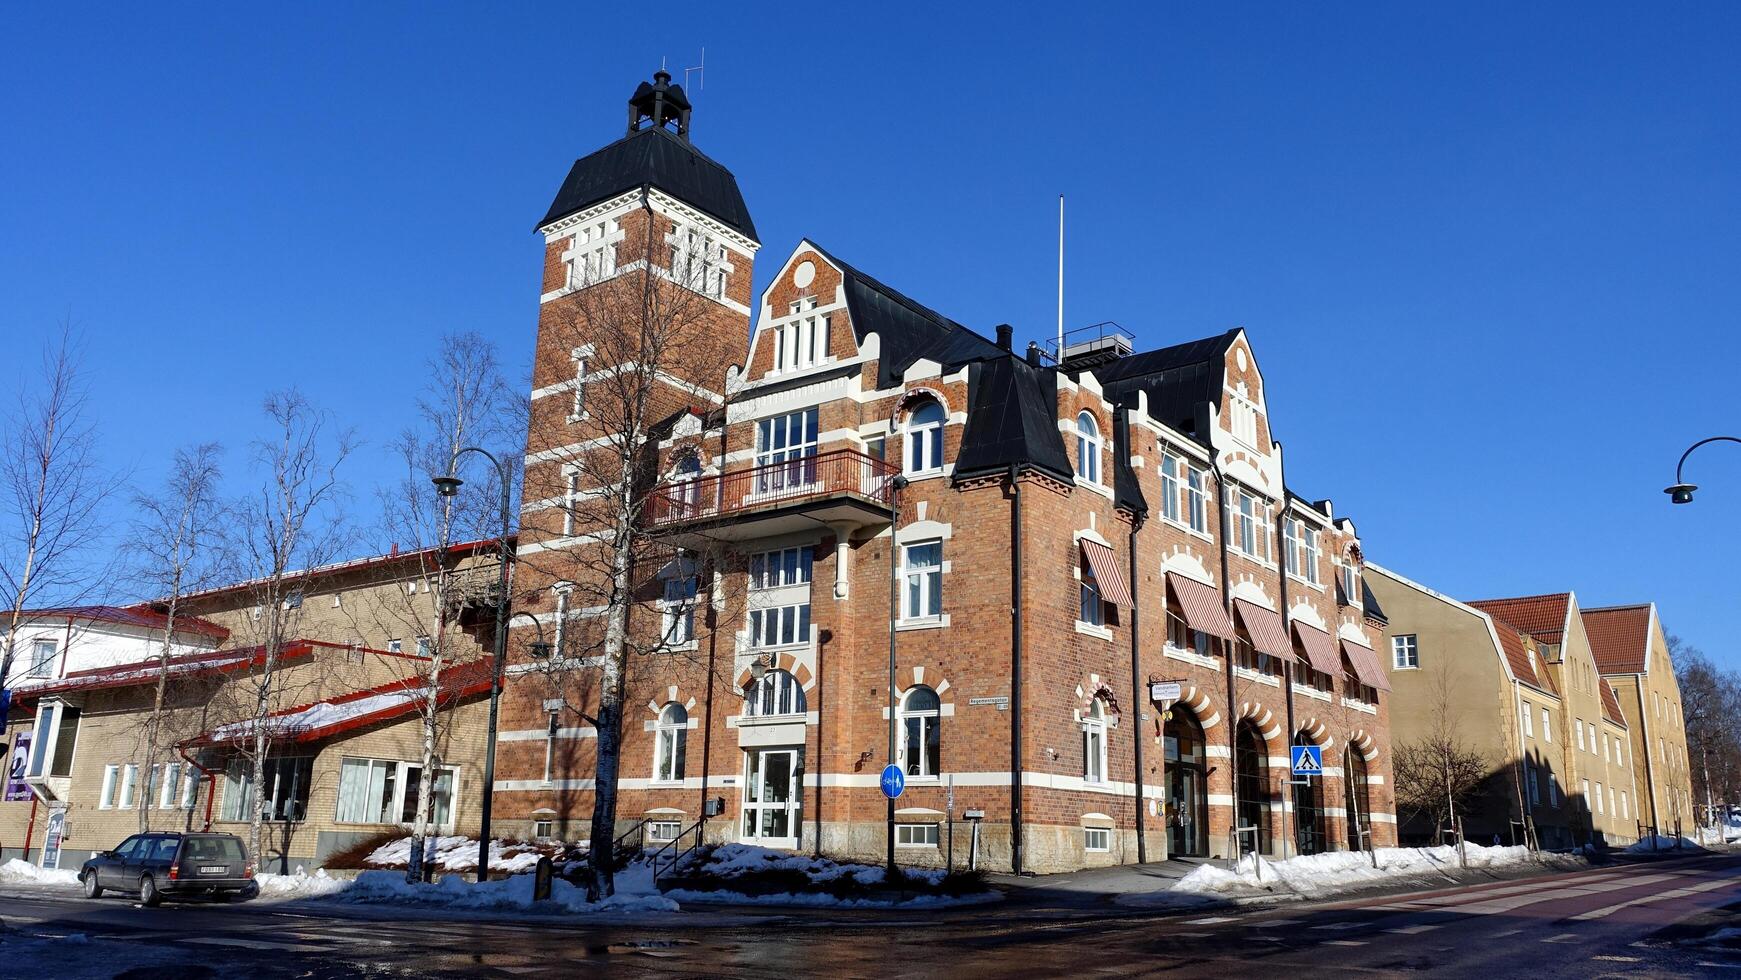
x,y
16,790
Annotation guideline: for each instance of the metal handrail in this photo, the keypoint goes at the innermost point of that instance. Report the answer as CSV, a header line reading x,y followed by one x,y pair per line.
x,y
635,831
677,855
833,473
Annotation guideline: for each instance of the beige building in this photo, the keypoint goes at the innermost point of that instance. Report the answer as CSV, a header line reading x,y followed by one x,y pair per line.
x,y
1632,655
345,762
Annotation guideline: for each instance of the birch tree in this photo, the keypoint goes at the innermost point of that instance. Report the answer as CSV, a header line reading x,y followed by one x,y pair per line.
x,y
53,489
465,403
656,345
1438,775
290,523
173,544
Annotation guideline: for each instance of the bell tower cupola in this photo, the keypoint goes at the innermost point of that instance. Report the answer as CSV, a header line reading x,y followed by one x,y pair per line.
x,y
661,105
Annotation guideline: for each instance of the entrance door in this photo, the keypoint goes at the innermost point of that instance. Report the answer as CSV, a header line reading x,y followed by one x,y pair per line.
x,y
1308,816
773,796
1185,824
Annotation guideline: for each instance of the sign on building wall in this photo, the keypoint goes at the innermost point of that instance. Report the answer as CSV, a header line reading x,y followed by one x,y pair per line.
x,y
17,791
52,837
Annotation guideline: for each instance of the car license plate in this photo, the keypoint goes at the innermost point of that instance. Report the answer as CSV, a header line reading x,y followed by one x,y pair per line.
x,y
211,869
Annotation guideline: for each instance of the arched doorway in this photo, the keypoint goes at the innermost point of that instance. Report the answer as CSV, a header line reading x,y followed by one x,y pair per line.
x,y
1187,789
1309,824
1252,791
1357,800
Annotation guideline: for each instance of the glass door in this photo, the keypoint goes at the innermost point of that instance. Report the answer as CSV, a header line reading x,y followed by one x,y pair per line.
x,y
773,794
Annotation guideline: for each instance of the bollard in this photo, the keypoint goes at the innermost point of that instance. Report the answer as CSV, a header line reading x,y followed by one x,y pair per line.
x,y
541,877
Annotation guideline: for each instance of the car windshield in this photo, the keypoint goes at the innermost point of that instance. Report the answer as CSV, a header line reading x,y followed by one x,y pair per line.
x,y
226,850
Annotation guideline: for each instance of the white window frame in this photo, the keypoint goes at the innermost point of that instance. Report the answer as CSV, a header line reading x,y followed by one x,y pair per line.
x,y
791,439
1599,807
171,786
577,406
1524,710
129,786
1248,522
1097,840
928,721
400,771
917,835
670,744
801,338
922,442
663,831
1091,602
1405,651
1578,728
1547,726
677,611
111,776
1172,486
1088,448
592,259
41,665
1242,419
1197,498
921,585
1302,554
1094,743
45,739
564,610
776,689
570,494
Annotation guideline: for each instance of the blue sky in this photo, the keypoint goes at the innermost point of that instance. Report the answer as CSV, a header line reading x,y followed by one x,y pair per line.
x,y
1486,254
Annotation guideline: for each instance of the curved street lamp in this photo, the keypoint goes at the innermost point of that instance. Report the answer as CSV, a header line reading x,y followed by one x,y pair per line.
x,y
448,486
1682,491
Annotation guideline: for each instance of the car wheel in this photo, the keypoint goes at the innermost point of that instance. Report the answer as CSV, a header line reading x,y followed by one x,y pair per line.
x,y
92,889
149,896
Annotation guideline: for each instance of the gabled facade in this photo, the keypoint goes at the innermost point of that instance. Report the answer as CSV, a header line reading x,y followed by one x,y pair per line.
x,y
1048,535
1632,655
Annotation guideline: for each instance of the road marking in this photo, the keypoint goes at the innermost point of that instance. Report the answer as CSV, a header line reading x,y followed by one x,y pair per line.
x,y
1562,937
1606,911
1411,930
1273,923
1344,942
1508,932
1339,925
250,943
1194,935
1617,959
1211,920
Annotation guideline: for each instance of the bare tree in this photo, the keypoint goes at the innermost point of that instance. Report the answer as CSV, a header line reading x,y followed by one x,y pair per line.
x,y
662,347
54,489
173,546
465,403
291,523
1711,709
1438,774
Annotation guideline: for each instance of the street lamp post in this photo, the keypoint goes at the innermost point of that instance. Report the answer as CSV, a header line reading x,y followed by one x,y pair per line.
x,y
1682,491
448,486
896,485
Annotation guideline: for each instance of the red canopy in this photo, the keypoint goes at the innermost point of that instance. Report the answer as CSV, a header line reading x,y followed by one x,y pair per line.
x,y
1201,605
1366,665
1104,564
1320,649
1265,629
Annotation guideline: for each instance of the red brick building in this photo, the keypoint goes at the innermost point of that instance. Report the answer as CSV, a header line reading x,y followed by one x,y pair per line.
x,y
1050,531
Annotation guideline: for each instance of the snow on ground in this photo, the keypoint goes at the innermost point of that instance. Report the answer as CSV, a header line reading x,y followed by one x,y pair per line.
x,y
459,854
1315,875
17,872
824,900
729,862
635,892
1662,842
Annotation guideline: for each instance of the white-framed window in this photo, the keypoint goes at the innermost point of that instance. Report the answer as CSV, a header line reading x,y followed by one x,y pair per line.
x,y
42,658
1405,651
385,791
1586,795
1599,808
670,743
1248,518
1624,809
111,777
1197,498
779,569
395,645
423,647
1302,549
570,494
801,341
916,835
564,609
1547,727
544,829
921,742
1097,839
1578,729
778,626
1171,485
1605,757
129,785
1350,571
170,786
663,831
1088,447
1612,806
593,257
785,451
1182,637
677,610
1094,743
1243,420
288,782
1091,609
552,728
780,591
1619,753
685,490
56,722
777,693
922,575
1553,789
698,261
1528,718
923,437
189,788
577,409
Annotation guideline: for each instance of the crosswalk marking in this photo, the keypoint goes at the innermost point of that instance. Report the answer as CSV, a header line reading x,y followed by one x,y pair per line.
x,y
1617,959
1562,937
1211,920
1344,942
1338,925
1411,930
1608,910
250,943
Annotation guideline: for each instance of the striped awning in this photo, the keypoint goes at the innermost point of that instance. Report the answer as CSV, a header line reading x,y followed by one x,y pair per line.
x,y
1201,606
1366,665
1265,629
1320,649
1104,564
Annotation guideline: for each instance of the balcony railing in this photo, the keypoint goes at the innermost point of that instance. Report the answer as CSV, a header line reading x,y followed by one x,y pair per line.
x,y
838,473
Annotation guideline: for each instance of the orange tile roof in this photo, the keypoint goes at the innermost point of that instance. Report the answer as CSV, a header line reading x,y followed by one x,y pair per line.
x,y
1541,616
1619,638
1611,704
1517,654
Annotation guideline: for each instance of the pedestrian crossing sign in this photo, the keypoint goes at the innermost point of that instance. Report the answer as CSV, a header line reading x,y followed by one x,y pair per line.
x,y
1308,760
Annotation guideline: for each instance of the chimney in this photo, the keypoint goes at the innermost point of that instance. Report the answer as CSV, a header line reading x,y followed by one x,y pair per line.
x,y
1033,353
1005,333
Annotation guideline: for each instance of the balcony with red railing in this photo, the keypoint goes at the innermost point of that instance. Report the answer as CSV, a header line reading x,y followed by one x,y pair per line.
x,y
842,486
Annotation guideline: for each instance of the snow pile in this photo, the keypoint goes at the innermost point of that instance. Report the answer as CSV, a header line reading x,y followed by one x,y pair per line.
x,y
18,872
730,861
459,854
1661,842
635,892
1315,875
749,875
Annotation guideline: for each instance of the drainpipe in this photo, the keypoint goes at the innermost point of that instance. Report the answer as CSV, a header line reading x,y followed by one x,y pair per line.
x,y
1136,689
1649,770
1288,691
1227,654
1015,671
181,750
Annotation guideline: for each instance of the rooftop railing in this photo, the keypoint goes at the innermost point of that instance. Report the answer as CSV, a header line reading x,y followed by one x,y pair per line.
x,y
770,485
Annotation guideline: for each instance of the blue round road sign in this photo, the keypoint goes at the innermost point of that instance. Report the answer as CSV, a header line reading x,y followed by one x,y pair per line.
x,y
894,781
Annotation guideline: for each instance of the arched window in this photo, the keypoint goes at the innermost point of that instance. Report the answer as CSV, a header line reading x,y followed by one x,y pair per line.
x,y
1088,447
921,745
777,693
670,742
1094,742
924,437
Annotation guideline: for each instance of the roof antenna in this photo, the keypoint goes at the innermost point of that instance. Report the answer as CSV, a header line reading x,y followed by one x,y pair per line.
x,y
1060,279
701,70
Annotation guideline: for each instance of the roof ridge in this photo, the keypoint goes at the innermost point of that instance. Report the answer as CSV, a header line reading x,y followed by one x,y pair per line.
x,y
893,293
1622,608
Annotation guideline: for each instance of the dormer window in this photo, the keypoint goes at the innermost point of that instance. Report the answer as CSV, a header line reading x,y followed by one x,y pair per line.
x,y
1088,448
924,438
801,340
1242,418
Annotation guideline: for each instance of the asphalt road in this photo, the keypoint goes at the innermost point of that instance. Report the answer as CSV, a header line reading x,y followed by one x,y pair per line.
x,y
1626,920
